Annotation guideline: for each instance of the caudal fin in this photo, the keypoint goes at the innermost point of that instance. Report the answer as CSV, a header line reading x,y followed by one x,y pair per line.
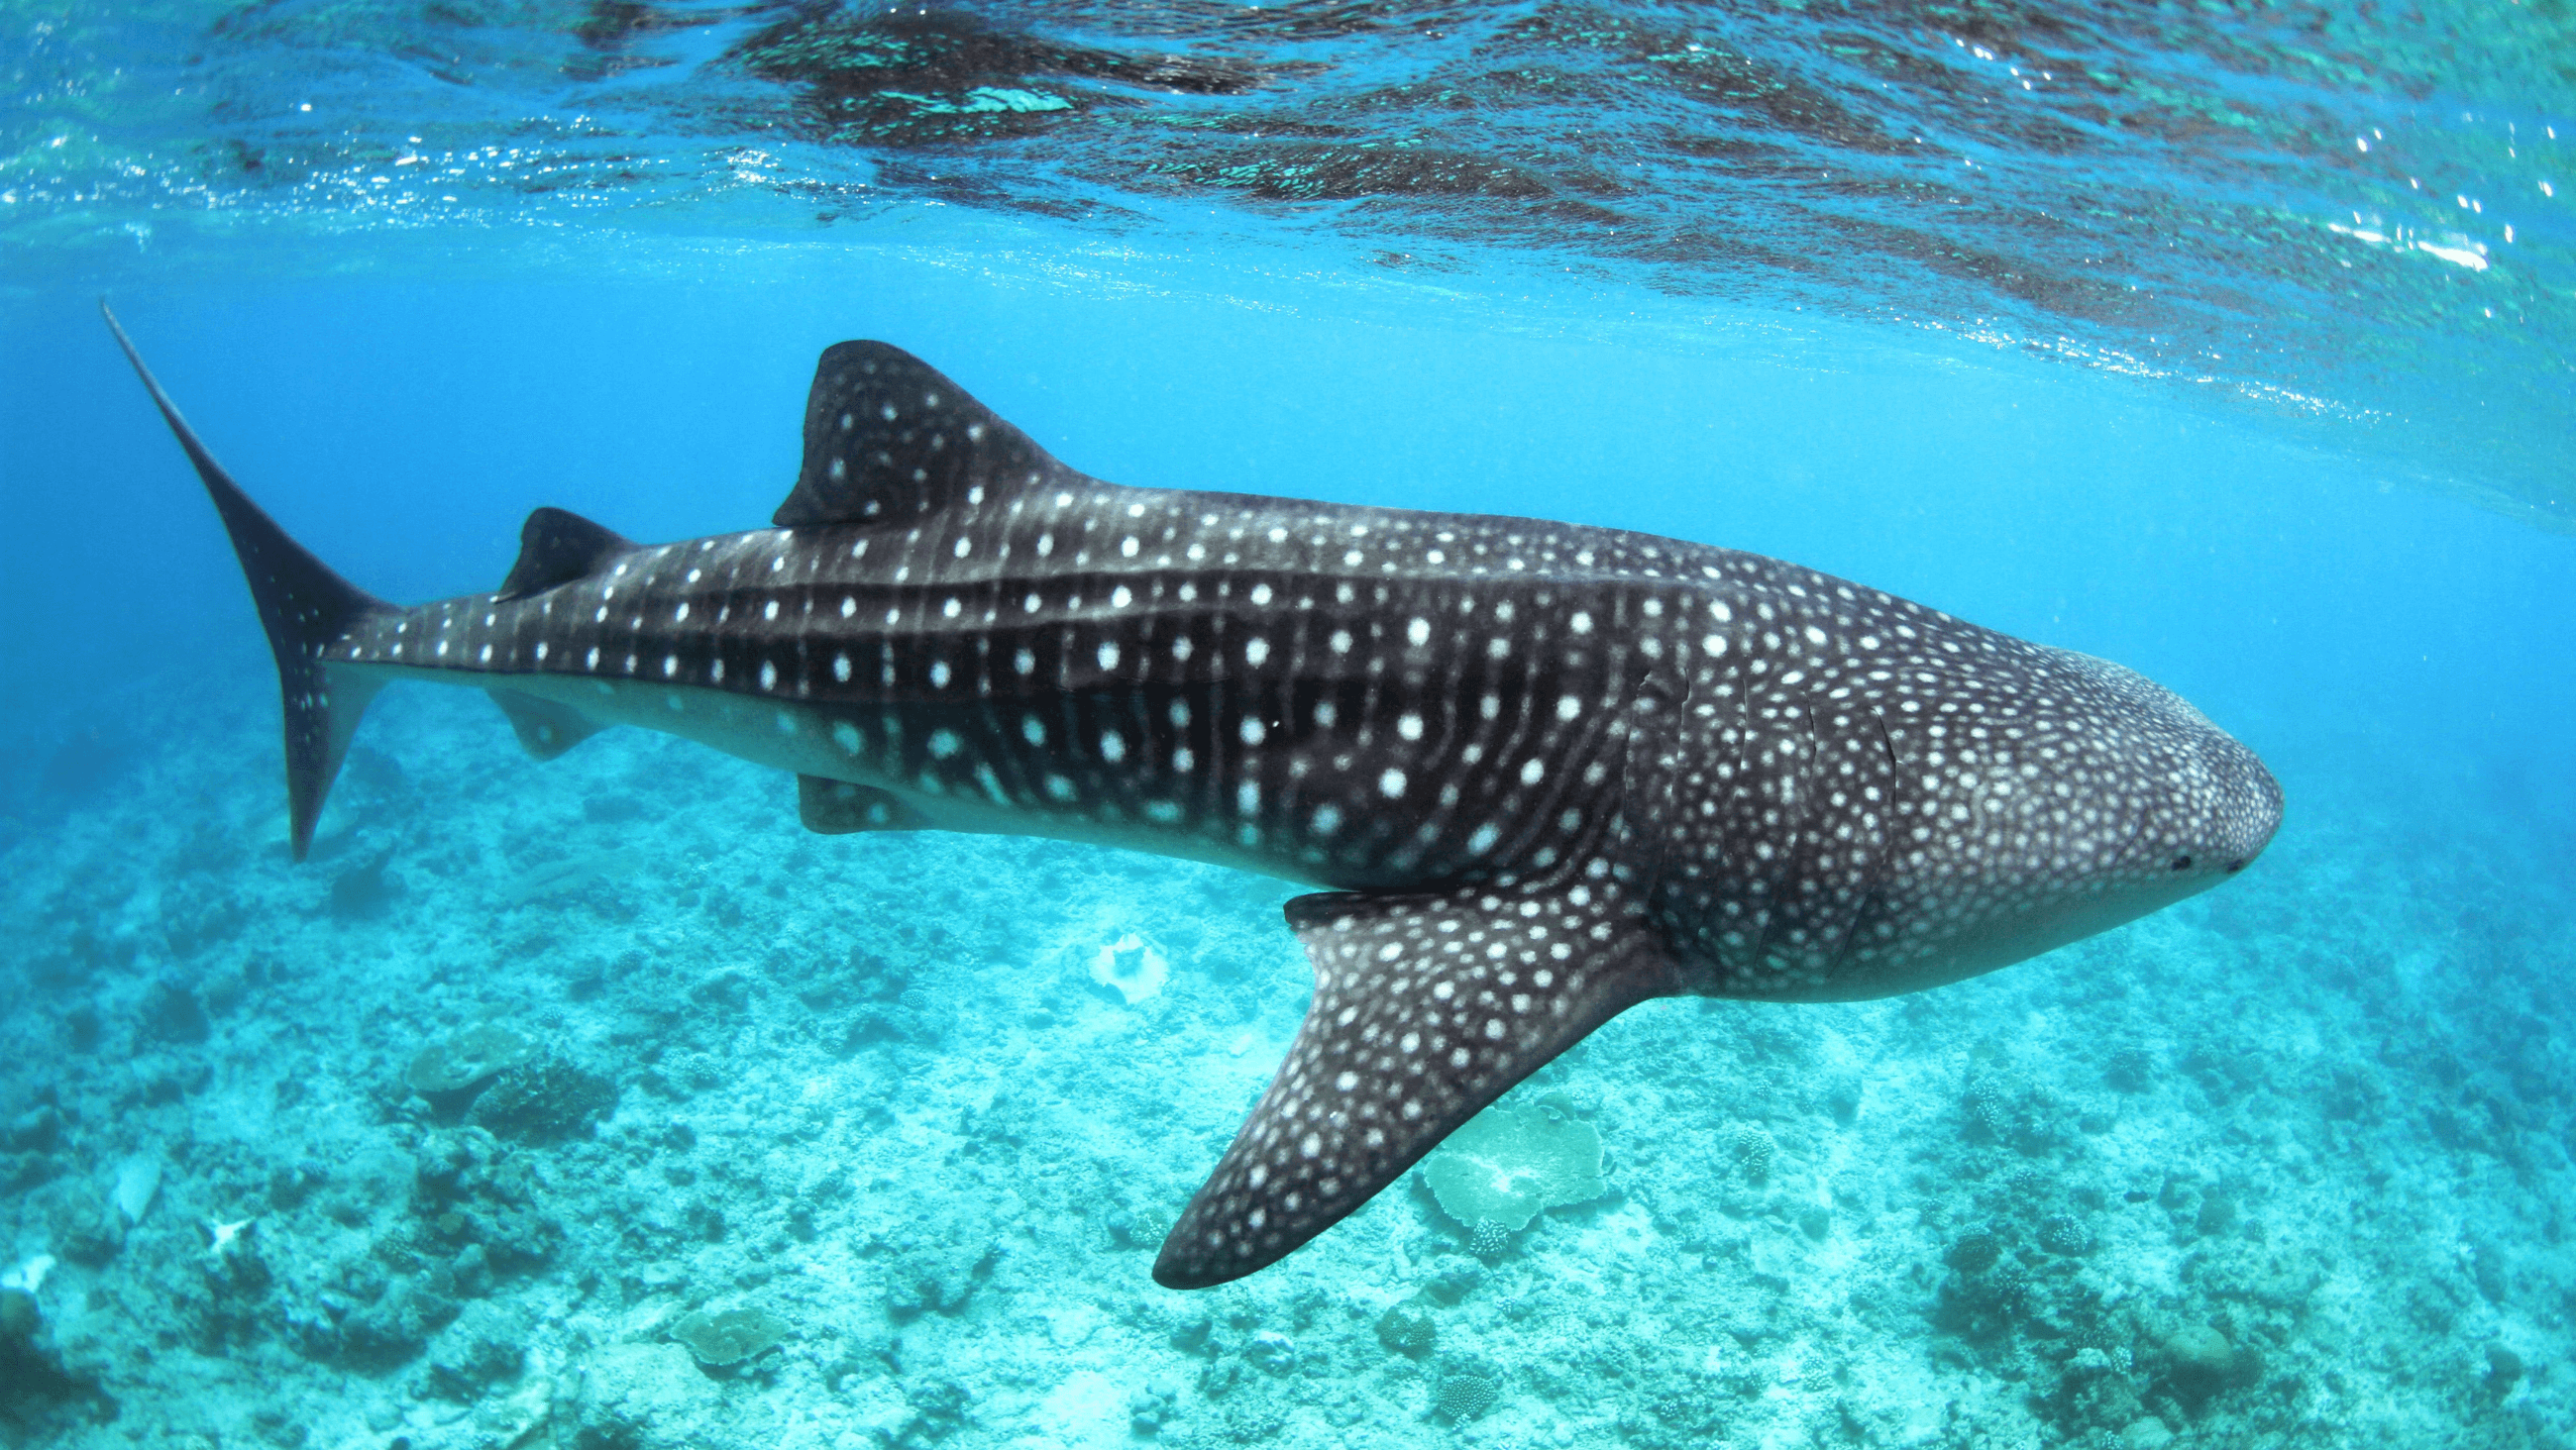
x,y
304,606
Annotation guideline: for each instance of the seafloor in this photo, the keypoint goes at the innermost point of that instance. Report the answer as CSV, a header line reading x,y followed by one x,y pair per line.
x,y
540,1083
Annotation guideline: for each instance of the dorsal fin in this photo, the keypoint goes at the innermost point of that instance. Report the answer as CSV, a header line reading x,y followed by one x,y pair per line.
x,y
557,546
888,438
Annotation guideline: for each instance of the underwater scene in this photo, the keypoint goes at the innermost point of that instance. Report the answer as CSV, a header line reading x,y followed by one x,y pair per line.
x,y
1348,723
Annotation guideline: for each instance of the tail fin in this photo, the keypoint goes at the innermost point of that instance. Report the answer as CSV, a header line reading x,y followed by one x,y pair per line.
x,y
303,605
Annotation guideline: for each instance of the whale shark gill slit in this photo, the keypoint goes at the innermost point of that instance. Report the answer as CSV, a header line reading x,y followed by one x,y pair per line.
x,y
1539,772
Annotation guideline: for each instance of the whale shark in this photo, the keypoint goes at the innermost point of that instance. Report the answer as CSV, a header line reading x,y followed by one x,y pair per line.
x,y
1538,772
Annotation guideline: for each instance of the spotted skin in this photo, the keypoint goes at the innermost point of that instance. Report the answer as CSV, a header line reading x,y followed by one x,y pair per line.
x,y
1544,771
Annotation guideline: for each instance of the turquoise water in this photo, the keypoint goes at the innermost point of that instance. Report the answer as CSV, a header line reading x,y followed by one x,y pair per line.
x,y
2150,360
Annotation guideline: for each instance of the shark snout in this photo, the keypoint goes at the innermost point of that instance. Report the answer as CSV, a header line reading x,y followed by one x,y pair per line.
x,y
2238,805
2250,828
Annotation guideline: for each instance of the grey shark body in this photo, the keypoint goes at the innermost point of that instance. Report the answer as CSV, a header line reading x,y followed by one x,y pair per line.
x,y
1544,772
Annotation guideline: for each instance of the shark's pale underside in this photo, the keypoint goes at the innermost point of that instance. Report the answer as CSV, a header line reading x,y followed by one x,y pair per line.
x,y
1545,772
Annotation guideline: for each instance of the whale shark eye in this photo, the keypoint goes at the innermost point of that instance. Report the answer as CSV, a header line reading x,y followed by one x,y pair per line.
x,y
2182,863
2235,866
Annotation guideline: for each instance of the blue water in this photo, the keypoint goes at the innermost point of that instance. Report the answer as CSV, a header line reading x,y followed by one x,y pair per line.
x,y
2286,1164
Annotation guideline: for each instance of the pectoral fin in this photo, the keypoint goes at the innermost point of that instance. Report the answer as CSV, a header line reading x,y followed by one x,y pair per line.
x,y
1426,1009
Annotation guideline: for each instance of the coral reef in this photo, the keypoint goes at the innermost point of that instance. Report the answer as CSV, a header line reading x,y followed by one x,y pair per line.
x,y
761,1139
729,1336
1506,1165
468,1057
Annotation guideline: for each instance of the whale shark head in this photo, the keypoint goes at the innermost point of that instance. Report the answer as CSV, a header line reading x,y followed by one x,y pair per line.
x,y
2134,802
2207,804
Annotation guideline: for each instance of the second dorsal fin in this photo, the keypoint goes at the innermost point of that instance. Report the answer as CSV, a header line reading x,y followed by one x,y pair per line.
x,y
557,546
888,438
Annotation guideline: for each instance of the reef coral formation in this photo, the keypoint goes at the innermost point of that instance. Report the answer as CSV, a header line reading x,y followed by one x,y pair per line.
x,y
1506,1164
